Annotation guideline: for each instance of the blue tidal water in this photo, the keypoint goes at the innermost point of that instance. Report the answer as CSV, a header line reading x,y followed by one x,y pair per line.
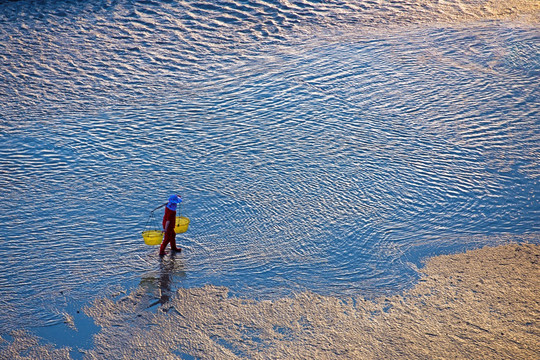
x,y
313,150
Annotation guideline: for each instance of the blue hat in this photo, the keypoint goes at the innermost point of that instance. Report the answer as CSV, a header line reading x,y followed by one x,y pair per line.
x,y
173,200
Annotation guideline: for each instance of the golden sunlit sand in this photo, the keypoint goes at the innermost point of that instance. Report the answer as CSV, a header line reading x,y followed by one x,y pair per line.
x,y
477,305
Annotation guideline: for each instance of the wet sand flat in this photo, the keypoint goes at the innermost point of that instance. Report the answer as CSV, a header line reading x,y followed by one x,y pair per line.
x,y
475,305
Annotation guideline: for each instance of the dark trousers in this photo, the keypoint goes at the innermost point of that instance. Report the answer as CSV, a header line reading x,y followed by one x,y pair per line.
x,y
169,237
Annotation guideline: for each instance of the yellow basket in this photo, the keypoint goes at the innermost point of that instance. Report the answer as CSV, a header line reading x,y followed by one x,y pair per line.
x,y
152,237
181,225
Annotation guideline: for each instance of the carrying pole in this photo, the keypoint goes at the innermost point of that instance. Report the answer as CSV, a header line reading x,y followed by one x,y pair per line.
x,y
160,206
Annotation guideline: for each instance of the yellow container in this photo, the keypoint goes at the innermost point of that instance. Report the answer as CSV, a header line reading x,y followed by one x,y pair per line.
x,y
181,225
152,237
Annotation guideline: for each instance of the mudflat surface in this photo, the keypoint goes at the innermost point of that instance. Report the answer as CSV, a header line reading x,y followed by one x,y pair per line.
x,y
475,305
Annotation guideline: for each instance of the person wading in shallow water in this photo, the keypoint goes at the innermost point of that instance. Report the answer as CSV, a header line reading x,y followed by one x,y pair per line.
x,y
169,220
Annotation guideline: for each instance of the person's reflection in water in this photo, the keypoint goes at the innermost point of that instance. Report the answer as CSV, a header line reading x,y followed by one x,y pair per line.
x,y
170,269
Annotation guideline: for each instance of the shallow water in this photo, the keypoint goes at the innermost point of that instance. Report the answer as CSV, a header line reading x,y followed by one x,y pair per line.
x,y
328,147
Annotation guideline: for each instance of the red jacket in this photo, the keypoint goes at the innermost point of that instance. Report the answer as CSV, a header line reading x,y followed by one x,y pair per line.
x,y
169,215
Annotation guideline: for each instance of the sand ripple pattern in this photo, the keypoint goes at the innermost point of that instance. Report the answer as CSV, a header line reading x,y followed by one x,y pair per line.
x,y
322,146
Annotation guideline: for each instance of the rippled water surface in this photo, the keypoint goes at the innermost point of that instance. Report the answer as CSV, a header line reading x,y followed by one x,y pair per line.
x,y
328,147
